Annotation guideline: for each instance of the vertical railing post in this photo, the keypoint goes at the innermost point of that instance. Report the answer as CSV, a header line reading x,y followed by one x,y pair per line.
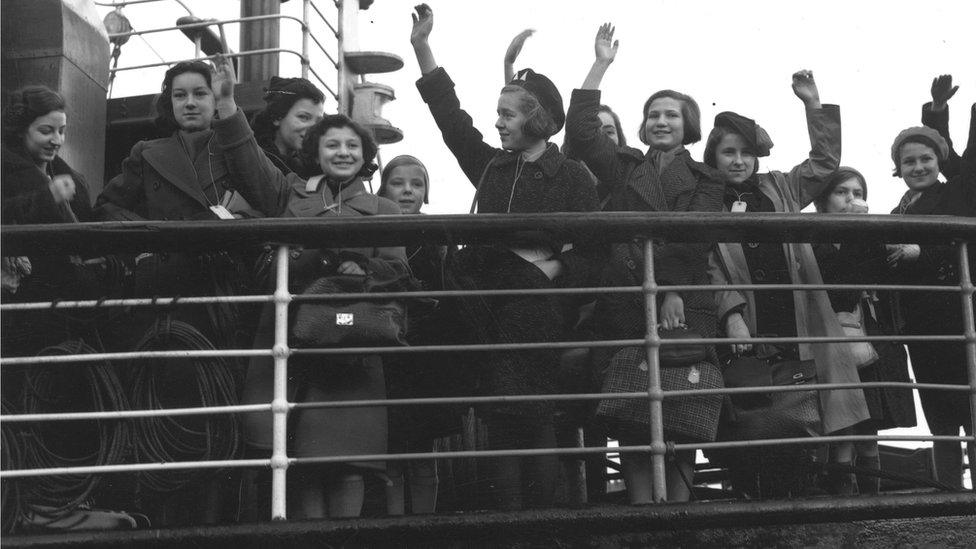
x,y
655,395
969,328
279,404
305,31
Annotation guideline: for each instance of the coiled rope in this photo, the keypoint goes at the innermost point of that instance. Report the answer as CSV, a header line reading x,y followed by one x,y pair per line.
x,y
69,388
170,383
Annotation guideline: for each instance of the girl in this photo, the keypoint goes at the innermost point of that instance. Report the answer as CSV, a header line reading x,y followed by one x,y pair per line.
x,y
851,263
292,106
663,179
405,182
344,153
527,175
918,154
39,187
733,147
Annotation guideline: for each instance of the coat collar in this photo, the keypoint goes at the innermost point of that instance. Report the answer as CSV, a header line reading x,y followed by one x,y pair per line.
x,y
321,201
550,161
168,158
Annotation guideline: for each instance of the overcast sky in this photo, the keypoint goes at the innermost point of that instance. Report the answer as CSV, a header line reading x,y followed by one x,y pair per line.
x,y
875,59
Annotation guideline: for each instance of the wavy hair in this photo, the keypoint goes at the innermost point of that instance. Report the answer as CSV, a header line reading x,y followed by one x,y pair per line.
x,y
164,101
689,112
310,146
26,105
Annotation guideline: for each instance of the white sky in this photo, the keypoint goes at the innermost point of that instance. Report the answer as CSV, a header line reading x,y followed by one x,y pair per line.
x,y
875,59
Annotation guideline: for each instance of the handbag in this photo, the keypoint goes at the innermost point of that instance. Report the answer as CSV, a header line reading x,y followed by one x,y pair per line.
x,y
688,418
853,325
347,323
751,371
770,415
684,354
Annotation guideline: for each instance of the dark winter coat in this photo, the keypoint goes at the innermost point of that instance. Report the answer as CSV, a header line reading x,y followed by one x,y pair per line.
x,y
635,185
26,197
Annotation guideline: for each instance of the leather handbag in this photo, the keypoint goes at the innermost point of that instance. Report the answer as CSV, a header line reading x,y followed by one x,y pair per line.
x,y
684,354
347,323
770,415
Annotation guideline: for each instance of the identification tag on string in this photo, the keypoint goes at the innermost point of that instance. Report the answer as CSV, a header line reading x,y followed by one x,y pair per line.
x,y
738,206
221,211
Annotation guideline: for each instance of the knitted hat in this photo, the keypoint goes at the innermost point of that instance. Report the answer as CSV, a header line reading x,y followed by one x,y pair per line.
x,y
921,134
544,91
404,160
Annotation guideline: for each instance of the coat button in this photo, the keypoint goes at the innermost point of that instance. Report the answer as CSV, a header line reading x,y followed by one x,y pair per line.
x,y
538,175
759,275
155,185
753,245
631,265
295,254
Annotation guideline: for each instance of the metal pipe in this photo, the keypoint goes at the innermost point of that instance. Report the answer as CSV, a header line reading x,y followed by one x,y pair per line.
x,y
129,414
969,330
204,24
210,57
279,406
325,20
655,396
139,236
98,357
305,33
342,79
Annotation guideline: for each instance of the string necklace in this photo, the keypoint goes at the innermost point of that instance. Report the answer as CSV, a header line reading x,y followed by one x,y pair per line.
x,y
519,166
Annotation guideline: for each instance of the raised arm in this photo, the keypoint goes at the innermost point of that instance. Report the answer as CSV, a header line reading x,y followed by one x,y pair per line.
x,y
605,50
513,51
252,173
936,116
437,90
583,135
423,23
808,179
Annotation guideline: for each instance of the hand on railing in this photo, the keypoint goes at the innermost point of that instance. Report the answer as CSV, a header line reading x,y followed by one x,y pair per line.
x,y
672,311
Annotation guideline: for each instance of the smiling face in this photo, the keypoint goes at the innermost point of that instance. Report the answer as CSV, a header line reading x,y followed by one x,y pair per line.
x,y
843,196
664,126
510,122
608,126
291,129
340,153
734,159
193,102
407,186
44,137
919,166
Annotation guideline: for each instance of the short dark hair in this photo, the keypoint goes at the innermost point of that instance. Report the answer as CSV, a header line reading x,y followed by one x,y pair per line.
x,y
621,140
403,160
164,101
841,175
539,123
279,98
310,145
689,112
26,105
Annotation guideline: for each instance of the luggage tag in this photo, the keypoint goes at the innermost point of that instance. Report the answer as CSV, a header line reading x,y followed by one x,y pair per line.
x,y
221,211
738,206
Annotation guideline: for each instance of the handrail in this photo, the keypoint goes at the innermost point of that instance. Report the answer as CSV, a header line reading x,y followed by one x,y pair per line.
x,y
396,230
139,236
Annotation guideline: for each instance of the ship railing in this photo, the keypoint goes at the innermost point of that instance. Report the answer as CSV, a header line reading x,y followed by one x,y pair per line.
x,y
284,235
305,23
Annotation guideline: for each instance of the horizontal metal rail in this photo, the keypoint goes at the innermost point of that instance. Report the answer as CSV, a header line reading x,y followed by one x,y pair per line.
x,y
469,400
204,24
396,230
473,229
596,450
386,296
123,3
418,349
248,53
